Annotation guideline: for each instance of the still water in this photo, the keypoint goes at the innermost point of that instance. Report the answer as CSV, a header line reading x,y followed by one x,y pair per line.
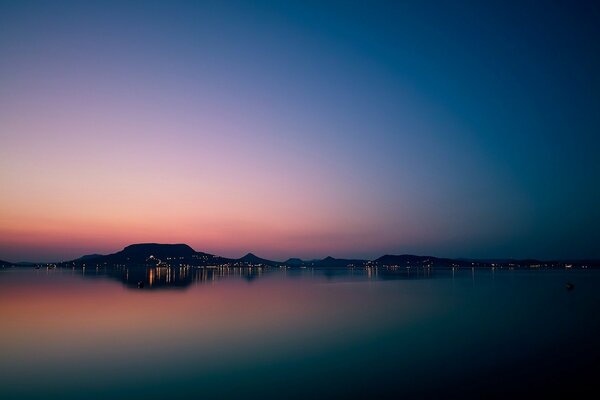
x,y
74,334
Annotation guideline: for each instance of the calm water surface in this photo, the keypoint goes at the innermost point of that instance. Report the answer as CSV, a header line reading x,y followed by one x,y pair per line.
x,y
297,334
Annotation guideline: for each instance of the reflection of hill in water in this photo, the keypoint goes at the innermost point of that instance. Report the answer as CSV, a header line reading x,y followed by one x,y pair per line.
x,y
162,277
144,277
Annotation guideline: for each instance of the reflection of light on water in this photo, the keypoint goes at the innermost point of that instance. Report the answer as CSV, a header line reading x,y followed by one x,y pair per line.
x,y
156,277
371,272
265,328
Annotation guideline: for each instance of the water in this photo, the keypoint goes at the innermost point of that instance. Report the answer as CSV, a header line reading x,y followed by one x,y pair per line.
x,y
297,334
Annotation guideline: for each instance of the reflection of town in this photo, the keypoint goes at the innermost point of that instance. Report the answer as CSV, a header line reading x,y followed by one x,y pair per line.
x,y
166,276
175,272
162,276
158,274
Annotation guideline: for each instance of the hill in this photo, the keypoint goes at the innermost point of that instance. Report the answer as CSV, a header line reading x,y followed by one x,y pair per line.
x,y
151,254
251,259
331,262
89,257
413,260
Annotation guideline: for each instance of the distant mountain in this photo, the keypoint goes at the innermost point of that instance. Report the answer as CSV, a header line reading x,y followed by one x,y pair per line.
x,y
413,260
251,259
330,262
176,255
140,252
89,257
5,264
151,254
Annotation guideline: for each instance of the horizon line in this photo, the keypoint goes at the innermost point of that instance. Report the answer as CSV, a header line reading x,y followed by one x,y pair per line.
x,y
480,259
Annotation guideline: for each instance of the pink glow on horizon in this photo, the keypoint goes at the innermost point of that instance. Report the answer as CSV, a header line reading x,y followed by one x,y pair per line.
x,y
93,159
95,181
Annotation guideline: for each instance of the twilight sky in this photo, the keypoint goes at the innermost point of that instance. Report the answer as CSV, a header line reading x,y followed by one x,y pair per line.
x,y
307,128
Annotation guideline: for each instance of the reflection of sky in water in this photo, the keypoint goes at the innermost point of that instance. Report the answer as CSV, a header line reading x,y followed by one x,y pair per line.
x,y
63,334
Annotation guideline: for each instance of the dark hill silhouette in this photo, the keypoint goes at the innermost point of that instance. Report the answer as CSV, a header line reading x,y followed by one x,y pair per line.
x,y
151,254
89,257
145,250
330,262
251,259
177,255
413,260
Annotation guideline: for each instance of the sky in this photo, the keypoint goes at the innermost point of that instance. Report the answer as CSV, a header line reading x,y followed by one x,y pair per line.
x,y
300,129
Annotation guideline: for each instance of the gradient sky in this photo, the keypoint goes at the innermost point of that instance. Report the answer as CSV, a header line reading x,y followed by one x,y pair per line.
x,y
352,129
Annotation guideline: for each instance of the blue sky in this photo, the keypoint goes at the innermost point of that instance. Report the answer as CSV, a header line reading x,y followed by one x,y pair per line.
x,y
300,128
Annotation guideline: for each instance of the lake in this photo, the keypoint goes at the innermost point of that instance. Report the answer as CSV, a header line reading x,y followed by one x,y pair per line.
x,y
284,333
